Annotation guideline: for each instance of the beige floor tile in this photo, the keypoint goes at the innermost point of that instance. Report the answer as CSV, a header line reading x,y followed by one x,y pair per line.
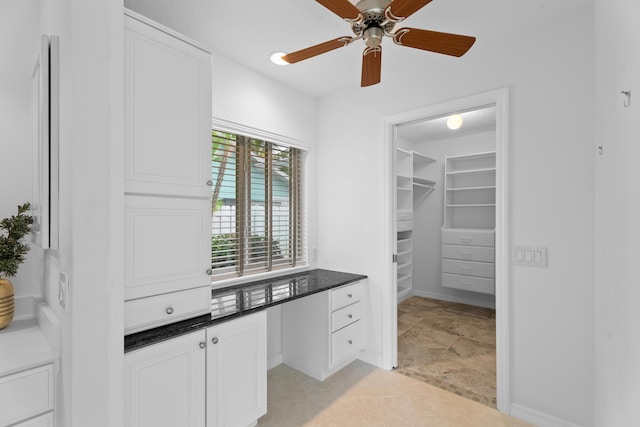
x,y
356,412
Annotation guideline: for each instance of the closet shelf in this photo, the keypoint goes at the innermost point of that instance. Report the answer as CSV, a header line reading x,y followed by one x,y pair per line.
x,y
471,171
421,158
489,187
472,205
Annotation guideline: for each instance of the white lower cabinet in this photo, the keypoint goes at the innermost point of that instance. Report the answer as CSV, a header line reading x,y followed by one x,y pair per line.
x,y
237,371
26,394
323,332
215,377
46,420
166,383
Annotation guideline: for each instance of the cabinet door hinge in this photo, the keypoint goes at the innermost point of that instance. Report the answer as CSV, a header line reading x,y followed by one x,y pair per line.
x,y
395,258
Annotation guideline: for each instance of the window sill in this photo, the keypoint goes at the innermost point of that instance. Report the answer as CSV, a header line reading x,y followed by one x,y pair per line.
x,y
220,284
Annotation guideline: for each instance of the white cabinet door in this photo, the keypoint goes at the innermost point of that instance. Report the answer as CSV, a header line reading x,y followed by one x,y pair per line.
x,y
168,245
165,383
168,113
237,371
26,394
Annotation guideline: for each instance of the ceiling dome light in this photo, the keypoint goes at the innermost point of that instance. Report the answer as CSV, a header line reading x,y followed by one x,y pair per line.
x,y
276,58
454,122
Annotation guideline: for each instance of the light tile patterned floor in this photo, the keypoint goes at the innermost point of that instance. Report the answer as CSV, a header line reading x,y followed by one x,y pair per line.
x,y
363,395
449,345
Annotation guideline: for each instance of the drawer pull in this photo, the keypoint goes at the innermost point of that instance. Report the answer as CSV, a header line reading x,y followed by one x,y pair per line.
x,y
466,239
209,272
465,255
202,345
209,183
350,342
350,316
350,295
466,269
169,310
214,340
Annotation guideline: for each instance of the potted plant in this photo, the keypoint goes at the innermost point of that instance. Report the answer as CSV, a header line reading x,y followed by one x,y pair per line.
x,y
12,254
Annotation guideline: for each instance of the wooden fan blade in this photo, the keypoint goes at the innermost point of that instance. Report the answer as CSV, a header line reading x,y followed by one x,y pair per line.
x,y
343,8
434,41
371,67
312,51
402,9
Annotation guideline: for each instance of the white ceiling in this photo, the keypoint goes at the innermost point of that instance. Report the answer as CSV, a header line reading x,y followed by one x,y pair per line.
x,y
248,31
435,129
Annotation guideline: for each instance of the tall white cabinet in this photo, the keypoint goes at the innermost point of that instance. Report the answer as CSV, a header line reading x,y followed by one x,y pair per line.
x,y
468,232
412,186
167,175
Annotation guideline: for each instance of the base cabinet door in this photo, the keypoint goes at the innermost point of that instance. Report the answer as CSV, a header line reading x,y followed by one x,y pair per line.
x,y
237,371
165,383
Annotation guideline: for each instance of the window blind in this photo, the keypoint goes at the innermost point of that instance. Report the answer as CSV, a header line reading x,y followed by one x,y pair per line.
x,y
257,203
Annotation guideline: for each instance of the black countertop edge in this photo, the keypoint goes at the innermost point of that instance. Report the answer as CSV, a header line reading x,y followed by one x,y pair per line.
x,y
242,296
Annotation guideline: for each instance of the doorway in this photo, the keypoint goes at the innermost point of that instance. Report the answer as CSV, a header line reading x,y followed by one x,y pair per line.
x,y
486,215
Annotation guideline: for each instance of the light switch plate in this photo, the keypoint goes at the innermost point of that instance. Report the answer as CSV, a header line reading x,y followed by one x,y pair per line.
x,y
532,256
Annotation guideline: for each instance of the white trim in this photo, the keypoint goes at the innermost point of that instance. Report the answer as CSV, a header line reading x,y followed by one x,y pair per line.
x,y
538,418
232,127
452,298
274,361
499,98
372,359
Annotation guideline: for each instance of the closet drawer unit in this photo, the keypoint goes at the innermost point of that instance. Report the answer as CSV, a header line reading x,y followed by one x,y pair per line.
x,y
346,295
468,237
25,394
468,283
345,316
347,341
469,253
469,268
404,226
403,215
145,313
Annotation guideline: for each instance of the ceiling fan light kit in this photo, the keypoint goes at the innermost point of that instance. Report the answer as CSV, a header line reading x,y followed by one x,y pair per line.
x,y
371,21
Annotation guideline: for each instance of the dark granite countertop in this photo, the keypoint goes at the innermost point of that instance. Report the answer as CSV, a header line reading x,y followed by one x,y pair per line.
x,y
239,300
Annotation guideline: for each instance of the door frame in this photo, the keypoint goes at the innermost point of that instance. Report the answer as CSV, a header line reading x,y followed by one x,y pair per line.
x,y
499,98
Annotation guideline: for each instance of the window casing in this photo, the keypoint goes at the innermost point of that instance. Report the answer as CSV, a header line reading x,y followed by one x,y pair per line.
x,y
258,206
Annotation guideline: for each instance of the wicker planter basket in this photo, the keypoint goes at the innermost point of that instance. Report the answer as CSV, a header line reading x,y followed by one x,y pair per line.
x,y
6,303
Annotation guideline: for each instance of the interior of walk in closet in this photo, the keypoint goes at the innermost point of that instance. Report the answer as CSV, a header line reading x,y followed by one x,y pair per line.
x,y
446,208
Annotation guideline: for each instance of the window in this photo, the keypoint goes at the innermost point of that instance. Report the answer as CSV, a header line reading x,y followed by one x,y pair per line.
x,y
258,206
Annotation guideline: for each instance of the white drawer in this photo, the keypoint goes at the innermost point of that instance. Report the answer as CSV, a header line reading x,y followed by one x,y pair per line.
x,y
469,268
404,215
347,341
467,283
146,313
346,295
469,253
344,316
26,394
404,226
468,237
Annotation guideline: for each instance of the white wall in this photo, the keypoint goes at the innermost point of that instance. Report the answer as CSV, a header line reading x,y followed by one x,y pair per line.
x,y
19,48
617,371
550,72
428,220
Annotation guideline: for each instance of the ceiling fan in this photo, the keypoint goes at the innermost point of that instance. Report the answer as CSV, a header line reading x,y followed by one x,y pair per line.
x,y
371,20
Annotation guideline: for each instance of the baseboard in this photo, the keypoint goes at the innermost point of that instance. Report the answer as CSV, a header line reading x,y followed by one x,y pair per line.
x,y
538,418
371,359
274,361
450,298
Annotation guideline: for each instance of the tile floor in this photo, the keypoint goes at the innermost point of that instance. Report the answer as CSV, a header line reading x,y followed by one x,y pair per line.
x,y
449,345
366,396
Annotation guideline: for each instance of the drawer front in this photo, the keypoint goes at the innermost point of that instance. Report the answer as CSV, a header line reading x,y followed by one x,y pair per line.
x,y
404,226
347,341
26,394
145,313
469,253
346,295
467,283
452,236
469,268
404,215
345,316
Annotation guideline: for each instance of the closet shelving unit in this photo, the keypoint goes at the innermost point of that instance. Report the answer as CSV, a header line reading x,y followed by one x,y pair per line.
x,y
412,186
468,232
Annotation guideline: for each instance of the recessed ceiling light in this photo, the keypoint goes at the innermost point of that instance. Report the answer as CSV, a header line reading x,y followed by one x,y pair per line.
x,y
276,58
454,122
